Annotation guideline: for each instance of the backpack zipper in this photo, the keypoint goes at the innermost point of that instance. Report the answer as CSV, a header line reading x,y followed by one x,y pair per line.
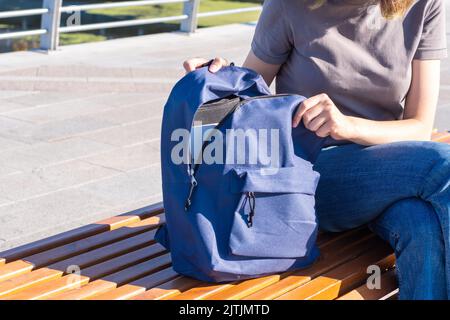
x,y
192,171
252,205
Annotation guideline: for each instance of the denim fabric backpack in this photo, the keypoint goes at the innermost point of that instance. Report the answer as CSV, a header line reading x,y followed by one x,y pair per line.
x,y
243,206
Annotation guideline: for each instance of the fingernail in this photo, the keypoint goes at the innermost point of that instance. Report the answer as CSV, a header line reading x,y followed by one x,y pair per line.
x,y
213,68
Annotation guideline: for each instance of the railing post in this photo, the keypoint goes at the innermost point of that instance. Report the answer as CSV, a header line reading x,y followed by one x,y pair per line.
x,y
50,22
191,9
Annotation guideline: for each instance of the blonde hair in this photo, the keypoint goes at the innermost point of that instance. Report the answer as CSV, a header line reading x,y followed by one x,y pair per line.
x,y
389,8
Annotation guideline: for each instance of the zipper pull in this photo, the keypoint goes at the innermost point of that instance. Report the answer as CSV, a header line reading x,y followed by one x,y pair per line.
x,y
252,204
188,202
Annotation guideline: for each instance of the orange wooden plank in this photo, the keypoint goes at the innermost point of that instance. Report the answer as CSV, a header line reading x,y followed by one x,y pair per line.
x,y
19,267
125,292
57,286
83,260
388,285
245,288
139,286
74,248
107,252
239,290
122,262
139,270
203,291
27,280
323,287
79,233
168,289
338,252
91,289
112,281
338,280
14,269
49,289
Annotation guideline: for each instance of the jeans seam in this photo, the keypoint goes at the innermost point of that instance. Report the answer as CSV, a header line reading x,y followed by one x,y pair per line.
x,y
390,232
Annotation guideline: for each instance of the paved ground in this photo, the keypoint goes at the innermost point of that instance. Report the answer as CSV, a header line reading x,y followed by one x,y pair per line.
x,y
79,128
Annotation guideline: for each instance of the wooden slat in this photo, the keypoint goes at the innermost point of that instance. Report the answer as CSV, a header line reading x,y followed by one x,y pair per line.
x,y
198,292
132,273
125,292
122,262
14,269
86,259
80,233
248,288
139,286
57,286
86,291
28,280
108,282
203,291
140,270
107,252
336,281
74,248
245,288
339,252
169,289
388,285
241,289
44,291
42,259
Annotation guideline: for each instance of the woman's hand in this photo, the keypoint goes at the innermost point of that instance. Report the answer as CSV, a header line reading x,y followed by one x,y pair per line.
x,y
320,115
195,63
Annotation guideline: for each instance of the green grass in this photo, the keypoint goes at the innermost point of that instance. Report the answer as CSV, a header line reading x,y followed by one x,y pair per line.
x,y
206,6
145,12
141,12
174,9
75,38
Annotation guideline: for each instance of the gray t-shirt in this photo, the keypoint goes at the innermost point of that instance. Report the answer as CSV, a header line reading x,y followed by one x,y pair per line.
x,y
348,50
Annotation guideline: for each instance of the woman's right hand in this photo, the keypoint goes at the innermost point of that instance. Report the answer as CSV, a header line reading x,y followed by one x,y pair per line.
x,y
195,63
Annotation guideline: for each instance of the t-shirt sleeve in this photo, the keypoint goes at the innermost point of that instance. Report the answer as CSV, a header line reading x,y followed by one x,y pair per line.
x,y
272,42
433,42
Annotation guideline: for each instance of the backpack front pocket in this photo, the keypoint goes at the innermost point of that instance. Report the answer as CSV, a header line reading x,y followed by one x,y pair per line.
x,y
275,217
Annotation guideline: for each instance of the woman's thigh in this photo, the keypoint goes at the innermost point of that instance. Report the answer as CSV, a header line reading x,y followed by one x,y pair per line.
x,y
358,183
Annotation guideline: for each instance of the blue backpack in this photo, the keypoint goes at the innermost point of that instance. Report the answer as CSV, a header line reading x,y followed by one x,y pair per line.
x,y
239,200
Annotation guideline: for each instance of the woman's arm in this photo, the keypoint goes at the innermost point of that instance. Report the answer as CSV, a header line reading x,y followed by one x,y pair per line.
x,y
320,115
418,117
266,70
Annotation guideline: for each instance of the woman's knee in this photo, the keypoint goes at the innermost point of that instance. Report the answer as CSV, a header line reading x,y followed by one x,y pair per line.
x,y
438,178
410,221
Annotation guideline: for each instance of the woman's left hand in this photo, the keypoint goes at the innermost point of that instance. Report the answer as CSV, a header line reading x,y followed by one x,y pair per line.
x,y
320,115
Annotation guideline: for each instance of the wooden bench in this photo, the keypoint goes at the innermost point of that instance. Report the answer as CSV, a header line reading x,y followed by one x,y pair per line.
x,y
120,260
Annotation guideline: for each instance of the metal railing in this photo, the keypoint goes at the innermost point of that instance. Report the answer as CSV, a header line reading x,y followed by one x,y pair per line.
x,y
52,9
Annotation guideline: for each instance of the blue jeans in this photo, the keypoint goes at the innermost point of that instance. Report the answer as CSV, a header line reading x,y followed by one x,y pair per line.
x,y
402,190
